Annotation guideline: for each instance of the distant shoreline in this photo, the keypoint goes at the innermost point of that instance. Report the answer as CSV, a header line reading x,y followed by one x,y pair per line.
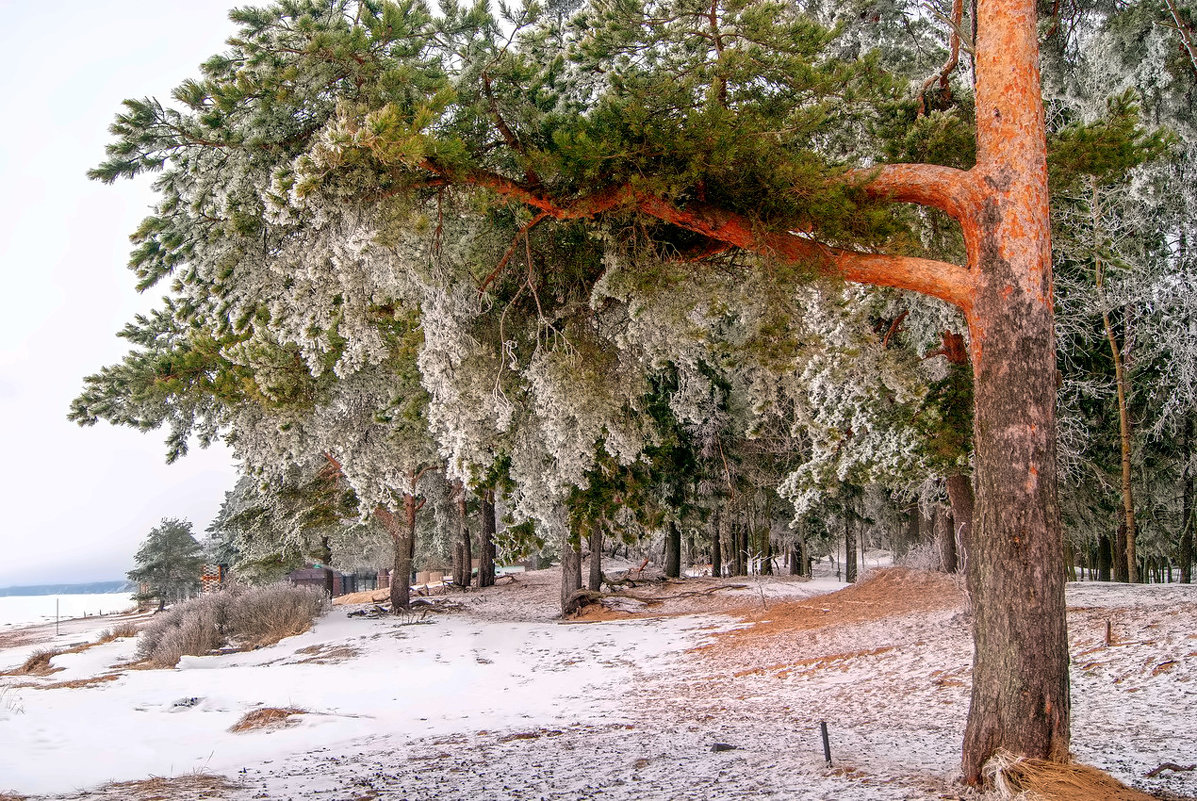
x,y
23,610
87,588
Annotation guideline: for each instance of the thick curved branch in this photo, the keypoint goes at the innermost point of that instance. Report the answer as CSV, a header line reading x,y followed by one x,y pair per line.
x,y
948,189
948,282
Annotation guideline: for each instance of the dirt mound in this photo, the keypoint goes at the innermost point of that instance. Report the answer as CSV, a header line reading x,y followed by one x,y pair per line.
x,y
893,592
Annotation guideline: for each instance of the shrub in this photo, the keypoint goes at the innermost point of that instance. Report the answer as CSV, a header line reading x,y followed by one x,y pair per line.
x,y
194,628
235,617
924,556
118,632
265,615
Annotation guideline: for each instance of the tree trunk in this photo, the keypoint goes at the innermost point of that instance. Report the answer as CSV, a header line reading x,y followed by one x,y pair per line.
x,y
798,552
960,495
571,573
1105,558
402,536
596,559
1185,551
767,551
908,537
464,563
330,585
945,541
716,545
745,546
926,528
673,550
733,545
1121,565
849,547
486,550
1020,696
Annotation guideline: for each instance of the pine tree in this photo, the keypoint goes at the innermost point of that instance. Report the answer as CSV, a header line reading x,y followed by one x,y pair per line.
x,y
169,563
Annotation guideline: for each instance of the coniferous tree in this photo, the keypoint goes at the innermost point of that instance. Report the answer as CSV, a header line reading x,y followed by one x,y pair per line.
x,y
169,563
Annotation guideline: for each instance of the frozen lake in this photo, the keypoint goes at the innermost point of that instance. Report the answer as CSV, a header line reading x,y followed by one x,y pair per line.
x,y
25,610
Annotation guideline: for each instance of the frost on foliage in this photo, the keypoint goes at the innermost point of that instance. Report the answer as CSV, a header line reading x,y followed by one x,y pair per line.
x,y
855,400
468,408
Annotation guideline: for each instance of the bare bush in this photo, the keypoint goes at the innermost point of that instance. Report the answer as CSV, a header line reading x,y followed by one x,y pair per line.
x,y
265,615
924,556
192,628
236,617
119,632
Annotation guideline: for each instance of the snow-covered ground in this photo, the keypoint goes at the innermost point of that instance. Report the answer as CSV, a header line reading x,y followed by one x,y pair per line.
x,y
495,699
25,610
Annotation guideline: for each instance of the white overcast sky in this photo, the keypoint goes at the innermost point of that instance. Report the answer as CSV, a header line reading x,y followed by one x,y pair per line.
x,y
76,502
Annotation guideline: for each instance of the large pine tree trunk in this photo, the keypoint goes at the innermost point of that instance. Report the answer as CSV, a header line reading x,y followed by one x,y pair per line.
x,y
486,550
1020,697
673,550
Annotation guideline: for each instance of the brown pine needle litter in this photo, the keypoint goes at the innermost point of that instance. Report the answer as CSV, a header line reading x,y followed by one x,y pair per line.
x,y
159,788
1039,780
270,717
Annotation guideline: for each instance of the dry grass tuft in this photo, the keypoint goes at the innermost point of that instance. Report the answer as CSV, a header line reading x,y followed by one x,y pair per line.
x,y
324,654
158,788
38,663
74,684
120,631
270,717
1038,780
11,797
